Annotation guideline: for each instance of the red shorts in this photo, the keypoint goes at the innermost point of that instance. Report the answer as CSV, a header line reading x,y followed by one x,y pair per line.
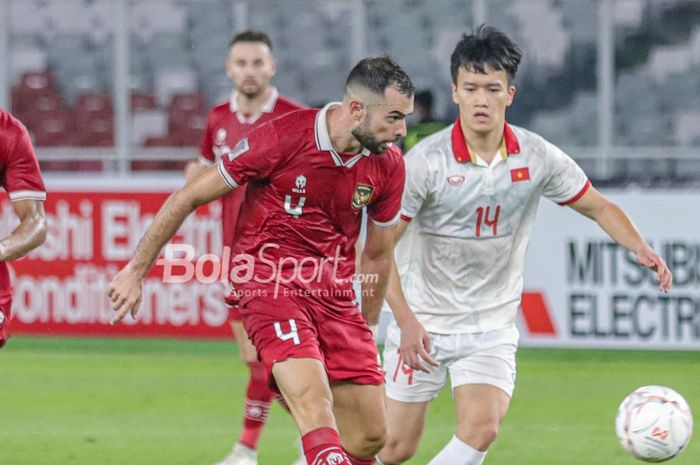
x,y
301,327
5,317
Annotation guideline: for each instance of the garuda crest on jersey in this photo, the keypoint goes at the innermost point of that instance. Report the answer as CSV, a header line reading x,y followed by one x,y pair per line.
x,y
362,196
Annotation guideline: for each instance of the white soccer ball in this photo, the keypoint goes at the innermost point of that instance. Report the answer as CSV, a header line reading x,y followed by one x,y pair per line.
x,y
654,423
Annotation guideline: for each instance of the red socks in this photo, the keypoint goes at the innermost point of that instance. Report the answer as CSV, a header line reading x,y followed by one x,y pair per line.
x,y
257,405
322,447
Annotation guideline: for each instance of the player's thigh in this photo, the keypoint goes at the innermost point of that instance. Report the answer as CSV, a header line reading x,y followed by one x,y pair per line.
x,y
405,384
245,346
480,406
483,382
360,412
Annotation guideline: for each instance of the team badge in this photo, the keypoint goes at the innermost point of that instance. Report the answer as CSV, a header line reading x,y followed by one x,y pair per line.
x,y
362,196
240,148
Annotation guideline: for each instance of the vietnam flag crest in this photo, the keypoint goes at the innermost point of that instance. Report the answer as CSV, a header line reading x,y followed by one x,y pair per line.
x,y
520,174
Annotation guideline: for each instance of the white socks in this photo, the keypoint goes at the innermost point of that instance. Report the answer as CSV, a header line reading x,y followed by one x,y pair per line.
x,y
457,452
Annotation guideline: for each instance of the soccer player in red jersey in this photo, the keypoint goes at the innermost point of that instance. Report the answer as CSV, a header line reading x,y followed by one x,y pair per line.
x,y
22,180
309,175
254,102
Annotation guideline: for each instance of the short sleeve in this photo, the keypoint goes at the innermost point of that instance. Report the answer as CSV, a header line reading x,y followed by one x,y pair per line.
x,y
416,190
384,211
22,177
565,182
206,146
254,157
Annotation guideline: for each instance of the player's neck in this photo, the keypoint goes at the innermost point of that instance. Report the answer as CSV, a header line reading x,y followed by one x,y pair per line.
x,y
485,144
250,105
339,130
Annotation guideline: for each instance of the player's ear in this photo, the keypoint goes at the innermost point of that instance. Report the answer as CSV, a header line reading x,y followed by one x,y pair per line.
x,y
357,109
511,94
454,93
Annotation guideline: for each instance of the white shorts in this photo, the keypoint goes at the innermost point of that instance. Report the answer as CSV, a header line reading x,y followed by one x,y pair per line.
x,y
478,358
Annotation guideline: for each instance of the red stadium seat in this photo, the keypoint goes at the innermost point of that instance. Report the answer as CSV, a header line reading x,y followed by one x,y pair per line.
x,y
55,129
187,118
94,120
142,101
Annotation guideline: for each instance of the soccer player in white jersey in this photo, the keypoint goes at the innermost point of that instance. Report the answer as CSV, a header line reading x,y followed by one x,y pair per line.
x,y
471,196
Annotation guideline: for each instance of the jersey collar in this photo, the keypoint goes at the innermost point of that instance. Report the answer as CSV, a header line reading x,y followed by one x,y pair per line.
x,y
463,153
268,107
323,139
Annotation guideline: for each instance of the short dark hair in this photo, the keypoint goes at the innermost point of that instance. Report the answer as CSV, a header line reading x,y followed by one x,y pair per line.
x,y
376,74
251,35
487,46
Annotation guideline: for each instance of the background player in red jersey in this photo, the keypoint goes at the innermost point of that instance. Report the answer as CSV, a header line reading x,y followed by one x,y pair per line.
x,y
254,102
309,176
21,179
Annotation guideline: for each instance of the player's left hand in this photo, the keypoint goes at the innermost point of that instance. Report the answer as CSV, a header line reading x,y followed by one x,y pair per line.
x,y
650,259
125,293
415,345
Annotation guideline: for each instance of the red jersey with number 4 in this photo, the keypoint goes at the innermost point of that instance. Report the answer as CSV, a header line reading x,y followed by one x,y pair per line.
x,y
303,205
19,172
226,125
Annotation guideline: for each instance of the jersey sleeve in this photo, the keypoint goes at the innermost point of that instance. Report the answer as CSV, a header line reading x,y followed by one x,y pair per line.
x,y
565,181
254,157
22,177
385,210
206,153
416,190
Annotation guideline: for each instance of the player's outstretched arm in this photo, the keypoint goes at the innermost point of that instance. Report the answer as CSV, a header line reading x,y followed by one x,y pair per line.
x,y
30,233
620,227
415,340
125,288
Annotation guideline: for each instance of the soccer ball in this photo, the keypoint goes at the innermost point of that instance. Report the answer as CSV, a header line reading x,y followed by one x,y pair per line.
x,y
654,423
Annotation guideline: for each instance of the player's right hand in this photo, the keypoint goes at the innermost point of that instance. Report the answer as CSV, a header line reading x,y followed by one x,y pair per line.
x,y
125,293
415,345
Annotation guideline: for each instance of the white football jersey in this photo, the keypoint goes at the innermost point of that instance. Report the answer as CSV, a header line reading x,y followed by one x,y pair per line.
x,y
471,223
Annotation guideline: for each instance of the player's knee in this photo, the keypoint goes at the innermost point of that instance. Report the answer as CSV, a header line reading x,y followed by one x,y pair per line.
x,y
312,411
479,436
373,439
397,451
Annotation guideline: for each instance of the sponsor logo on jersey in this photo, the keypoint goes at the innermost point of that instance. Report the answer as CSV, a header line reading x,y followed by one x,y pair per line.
x,y
362,196
300,184
455,180
240,148
220,136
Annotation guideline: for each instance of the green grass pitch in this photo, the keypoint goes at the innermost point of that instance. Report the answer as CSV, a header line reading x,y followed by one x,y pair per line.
x,y
145,402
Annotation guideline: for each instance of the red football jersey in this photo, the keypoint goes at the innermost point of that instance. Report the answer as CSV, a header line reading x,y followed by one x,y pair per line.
x,y
226,125
304,202
19,171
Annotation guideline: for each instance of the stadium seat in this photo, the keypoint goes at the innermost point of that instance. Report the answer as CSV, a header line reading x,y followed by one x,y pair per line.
x,y
55,129
94,119
148,123
142,101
